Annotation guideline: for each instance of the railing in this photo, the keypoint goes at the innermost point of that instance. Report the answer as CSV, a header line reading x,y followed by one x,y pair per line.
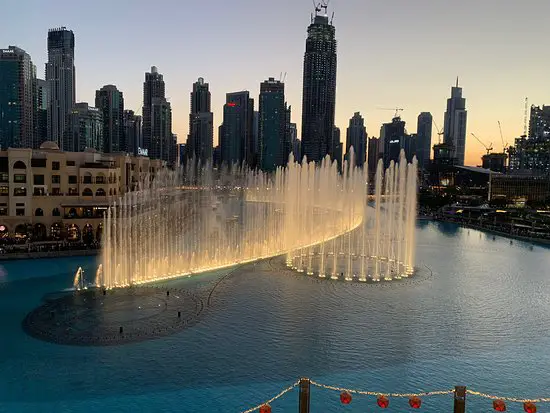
x,y
383,399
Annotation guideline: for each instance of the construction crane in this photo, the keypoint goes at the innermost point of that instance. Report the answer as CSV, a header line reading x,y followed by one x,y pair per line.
x,y
439,133
504,145
397,110
525,117
487,148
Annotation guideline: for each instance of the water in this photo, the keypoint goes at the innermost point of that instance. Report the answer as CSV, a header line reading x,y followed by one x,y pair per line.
x,y
482,319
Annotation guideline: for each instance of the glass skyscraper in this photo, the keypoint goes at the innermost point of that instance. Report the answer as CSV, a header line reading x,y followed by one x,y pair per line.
x,y
61,78
319,89
17,85
110,102
455,124
272,124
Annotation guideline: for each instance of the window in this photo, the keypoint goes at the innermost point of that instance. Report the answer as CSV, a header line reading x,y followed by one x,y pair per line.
x,y
56,191
100,179
4,177
19,204
56,212
100,192
39,212
20,178
55,166
3,211
4,190
87,179
73,179
87,192
56,179
73,191
39,192
19,165
70,163
38,163
22,191
20,212
38,179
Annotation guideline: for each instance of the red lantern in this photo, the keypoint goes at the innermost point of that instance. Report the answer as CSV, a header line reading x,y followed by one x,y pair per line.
x,y
415,402
530,407
345,397
499,405
265,408
383,402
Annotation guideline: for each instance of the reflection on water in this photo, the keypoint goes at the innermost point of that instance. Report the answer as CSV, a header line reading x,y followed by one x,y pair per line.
x,y
482,319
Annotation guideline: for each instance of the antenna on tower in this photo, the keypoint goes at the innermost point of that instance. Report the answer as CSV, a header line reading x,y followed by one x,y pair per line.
x,y
284,78
324,5
332,18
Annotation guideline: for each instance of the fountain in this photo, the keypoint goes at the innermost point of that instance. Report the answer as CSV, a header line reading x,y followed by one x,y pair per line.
x,y
187,222
381,246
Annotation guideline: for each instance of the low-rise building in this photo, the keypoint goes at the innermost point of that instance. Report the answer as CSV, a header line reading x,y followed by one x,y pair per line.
x,y
47,194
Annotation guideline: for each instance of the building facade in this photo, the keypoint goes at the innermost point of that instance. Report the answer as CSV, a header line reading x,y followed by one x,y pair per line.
x,y
85,128
48,194
132,132
393,139
110,102
319,89
373,155
17,93
157,118
539,122
42,97
272,124
201,124
455,124
356,138
61,78
237,144
423,142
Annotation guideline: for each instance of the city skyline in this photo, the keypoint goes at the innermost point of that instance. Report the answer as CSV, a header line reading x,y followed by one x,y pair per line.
x,y
498,67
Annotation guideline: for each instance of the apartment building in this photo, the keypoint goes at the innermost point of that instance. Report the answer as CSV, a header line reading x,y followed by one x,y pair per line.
x,y
48,194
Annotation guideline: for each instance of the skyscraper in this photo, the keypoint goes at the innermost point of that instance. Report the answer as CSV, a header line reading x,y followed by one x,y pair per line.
x,y
272,124
539,122
132,132
373,155
61,78
455,124
110,102
41,113
424,139
319,89
236,140
393,138
157,118
201,124
84,129
356,137
17,82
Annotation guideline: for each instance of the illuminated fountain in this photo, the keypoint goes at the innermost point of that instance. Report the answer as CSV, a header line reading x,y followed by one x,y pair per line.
x,y
382,246
186,223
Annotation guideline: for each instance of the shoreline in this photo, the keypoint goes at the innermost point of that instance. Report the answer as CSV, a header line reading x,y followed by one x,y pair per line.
x,y
48,254
495,232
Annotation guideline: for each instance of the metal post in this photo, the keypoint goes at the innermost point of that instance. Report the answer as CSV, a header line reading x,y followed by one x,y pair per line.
x,y
460,399
303,398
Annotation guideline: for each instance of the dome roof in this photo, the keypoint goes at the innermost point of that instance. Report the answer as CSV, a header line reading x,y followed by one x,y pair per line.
x,y
49,145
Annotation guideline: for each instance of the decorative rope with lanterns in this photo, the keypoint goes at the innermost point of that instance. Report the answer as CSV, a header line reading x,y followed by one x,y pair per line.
x,y
373,393
264,407
508,399
415,401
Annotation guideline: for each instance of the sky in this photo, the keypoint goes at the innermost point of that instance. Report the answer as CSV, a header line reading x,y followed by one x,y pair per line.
x,y
399,53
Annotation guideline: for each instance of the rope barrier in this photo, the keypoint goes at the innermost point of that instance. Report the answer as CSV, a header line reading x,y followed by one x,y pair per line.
x,y
373,393
282,393
508,399
403,395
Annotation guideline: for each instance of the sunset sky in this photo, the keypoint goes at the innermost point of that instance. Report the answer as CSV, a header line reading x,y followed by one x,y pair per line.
x,y
398,53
